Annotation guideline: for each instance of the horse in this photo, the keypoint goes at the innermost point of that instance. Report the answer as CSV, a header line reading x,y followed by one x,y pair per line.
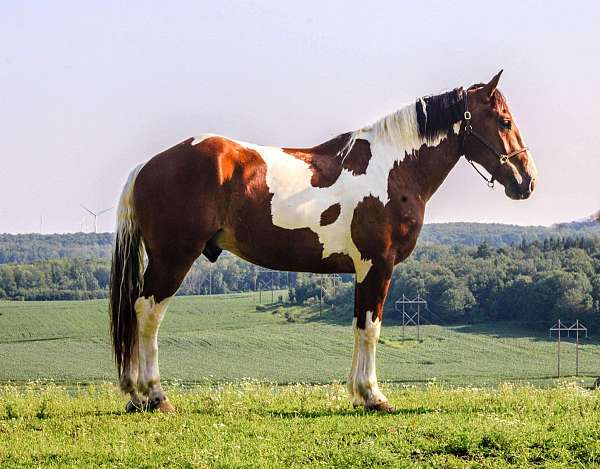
x,y
353,204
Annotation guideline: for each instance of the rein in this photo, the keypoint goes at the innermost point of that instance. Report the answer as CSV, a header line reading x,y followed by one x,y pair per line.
x,y
469,131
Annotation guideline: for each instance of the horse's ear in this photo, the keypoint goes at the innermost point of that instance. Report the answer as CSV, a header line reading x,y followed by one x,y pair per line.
x,y
490,88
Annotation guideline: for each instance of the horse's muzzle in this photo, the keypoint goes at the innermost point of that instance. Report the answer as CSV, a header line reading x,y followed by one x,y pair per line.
x,y
520,191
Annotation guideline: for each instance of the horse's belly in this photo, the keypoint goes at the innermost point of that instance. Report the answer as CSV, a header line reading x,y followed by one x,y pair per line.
x,y
277,248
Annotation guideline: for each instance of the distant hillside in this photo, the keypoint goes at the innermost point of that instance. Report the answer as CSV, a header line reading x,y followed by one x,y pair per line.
x,y
497,234
27,248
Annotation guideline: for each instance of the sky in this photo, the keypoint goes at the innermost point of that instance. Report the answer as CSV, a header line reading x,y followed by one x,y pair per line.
x,y
90,89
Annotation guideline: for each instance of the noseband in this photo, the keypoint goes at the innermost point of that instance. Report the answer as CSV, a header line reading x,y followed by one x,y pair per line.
x,y
469,131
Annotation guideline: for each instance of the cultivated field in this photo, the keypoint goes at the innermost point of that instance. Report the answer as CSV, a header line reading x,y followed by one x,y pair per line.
x,y
224,339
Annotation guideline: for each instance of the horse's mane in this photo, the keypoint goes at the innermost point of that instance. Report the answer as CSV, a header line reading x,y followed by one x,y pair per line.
x,y
427,120
438,114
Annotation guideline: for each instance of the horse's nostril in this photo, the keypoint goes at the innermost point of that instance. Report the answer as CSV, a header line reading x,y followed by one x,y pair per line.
x,y
531,185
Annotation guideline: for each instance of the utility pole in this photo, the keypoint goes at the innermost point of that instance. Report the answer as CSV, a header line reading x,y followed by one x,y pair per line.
x,y
205,278
578,327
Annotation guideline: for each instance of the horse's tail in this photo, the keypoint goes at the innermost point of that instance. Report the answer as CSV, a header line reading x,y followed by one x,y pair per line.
x,y
126,280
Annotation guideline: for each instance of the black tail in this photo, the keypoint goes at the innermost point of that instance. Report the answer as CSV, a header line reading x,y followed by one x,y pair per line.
x,y
126,283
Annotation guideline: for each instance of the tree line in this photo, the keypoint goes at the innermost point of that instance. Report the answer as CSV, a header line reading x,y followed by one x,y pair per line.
x,y
28,248
535,281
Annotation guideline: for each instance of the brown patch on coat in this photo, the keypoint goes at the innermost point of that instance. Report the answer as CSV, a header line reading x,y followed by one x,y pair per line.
x,y
375,245
368,214
406,206
371,292
327,160
330,214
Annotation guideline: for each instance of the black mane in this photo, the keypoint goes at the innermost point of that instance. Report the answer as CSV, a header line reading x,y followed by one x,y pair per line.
x,y
440,114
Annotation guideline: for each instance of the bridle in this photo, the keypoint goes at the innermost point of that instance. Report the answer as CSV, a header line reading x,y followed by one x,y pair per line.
x,y
469,131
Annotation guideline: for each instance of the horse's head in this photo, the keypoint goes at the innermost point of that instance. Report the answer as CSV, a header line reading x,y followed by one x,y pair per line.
x,y
492,139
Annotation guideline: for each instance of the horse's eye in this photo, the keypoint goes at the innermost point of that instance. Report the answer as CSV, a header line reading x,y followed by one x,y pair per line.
x,y
506,124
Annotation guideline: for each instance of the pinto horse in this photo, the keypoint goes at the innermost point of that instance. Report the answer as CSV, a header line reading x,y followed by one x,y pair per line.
x,y
354,204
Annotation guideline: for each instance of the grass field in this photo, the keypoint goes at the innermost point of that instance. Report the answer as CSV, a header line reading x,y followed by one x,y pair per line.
x,y
260,425
224,339
224,364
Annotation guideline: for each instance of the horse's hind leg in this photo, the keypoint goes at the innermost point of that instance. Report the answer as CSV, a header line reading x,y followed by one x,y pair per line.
x,y
161,280
129,382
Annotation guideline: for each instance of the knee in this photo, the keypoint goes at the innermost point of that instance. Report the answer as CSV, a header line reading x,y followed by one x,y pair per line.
x,y
371,331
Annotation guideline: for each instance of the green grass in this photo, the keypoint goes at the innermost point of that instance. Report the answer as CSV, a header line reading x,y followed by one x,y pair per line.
x,y
260,425
209,346
224,338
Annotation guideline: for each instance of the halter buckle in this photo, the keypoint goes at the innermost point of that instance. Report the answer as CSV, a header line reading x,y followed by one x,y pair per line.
x,y
504,159
490,184
467,116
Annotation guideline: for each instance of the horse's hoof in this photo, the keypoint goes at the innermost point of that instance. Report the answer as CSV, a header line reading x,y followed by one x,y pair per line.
x,y
136,406
165,406
382,406
162,405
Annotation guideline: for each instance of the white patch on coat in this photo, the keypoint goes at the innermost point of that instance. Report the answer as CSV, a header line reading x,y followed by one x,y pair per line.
x,y
149,316
362,382
297,204
424,107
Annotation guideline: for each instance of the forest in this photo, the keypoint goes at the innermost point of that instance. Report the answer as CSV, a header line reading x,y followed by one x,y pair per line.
x,y
533,281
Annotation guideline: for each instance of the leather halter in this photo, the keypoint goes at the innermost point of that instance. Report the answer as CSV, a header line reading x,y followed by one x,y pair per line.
x,y
503,158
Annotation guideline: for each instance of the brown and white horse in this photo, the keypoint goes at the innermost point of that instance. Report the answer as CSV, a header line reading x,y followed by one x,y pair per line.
x,y
352,204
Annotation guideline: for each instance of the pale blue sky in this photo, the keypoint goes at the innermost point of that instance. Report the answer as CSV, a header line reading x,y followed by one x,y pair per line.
x,y
89,89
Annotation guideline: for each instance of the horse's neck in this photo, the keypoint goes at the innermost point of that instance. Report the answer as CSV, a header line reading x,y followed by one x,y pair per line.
x,y
433,164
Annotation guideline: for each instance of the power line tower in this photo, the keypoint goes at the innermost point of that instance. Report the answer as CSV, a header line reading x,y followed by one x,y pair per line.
x,y
265,283
562,327
334,278
410,316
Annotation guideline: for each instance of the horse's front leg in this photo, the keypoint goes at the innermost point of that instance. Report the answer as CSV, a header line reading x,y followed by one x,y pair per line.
x,y
368,313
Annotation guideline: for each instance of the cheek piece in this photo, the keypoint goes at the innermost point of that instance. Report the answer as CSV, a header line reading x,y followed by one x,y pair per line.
x,y
470,132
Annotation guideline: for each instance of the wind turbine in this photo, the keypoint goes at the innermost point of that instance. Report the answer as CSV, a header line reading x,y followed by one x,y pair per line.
x,y
95,215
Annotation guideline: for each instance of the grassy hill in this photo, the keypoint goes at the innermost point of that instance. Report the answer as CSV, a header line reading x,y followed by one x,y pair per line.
x,y
224,338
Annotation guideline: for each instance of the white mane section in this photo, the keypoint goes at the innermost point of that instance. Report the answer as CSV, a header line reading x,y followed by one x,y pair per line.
x,y
297,204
